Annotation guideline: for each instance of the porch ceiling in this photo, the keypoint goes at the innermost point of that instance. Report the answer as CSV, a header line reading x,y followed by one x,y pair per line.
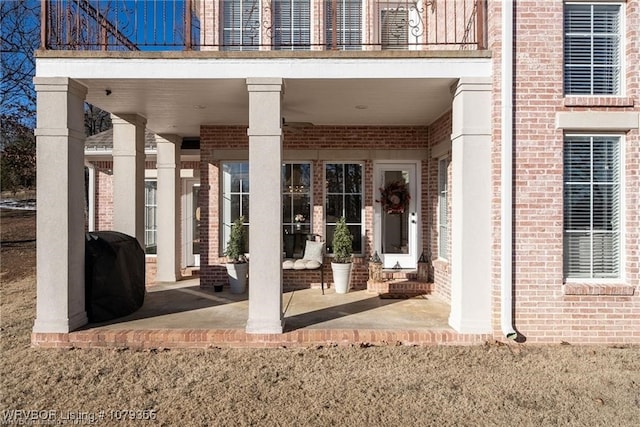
x,y
180,106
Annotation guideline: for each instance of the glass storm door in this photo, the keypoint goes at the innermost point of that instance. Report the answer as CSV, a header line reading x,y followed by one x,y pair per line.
x,y
396,217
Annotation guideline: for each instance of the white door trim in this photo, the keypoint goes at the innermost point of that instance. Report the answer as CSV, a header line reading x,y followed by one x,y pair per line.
x,y
410,260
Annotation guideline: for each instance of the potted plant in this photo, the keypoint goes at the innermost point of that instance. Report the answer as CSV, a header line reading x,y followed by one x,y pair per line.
x,y
341,263
237,265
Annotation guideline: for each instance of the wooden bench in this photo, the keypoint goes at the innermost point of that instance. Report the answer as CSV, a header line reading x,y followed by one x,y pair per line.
x,y
312,259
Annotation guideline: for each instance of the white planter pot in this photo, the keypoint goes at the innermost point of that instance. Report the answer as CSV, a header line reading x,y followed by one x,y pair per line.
x,y
238,277
341,275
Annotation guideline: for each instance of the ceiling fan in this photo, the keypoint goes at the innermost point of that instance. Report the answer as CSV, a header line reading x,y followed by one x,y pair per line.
x,y
295,126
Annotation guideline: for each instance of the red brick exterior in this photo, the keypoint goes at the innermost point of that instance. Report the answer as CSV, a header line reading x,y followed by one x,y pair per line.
x,y
214,138
546,309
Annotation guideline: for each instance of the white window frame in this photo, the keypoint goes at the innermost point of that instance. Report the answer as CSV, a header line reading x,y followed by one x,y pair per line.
x,y
443,207
291,192
326,193
227,27
343,28
621,50
621,195
295,27
225,204
149,229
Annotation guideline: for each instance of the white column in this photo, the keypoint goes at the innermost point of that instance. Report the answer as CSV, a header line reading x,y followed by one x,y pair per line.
x,y
60,305
128,175
265,206
168,221
471,195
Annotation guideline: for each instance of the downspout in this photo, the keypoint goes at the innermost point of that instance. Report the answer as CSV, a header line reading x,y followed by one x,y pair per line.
x,y
506,239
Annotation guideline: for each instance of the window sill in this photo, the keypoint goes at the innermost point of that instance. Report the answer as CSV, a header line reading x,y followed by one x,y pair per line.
x,y
598,101
589,289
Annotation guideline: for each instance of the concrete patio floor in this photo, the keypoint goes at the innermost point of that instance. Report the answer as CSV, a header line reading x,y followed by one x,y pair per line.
x,y
185,305
184,315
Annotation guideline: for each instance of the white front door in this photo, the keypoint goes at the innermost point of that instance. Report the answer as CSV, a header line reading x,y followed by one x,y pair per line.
x,y
396,218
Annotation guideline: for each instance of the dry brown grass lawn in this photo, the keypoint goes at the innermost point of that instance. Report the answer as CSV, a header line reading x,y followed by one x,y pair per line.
x,y
493,384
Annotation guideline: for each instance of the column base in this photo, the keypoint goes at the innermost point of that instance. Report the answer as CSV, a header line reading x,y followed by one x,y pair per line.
x,y
470,326
61,325
264,327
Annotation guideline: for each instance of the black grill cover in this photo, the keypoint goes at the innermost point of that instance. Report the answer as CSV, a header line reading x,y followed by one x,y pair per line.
x,y
114,275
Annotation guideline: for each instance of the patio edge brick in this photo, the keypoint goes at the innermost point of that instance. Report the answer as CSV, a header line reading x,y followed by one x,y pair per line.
x,y
237,338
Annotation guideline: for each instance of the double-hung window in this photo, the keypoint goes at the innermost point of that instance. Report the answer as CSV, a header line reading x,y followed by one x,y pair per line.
x,y
241,24
296,198
291,24
394,28
443,204
592,206
343,21
593,48
235,198
150,216
344,197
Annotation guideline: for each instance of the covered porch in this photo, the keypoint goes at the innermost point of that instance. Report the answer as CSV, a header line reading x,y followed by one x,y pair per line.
x,y
376,109
184,315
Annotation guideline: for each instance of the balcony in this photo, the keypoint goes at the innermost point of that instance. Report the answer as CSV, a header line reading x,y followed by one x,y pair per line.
x,y
263,25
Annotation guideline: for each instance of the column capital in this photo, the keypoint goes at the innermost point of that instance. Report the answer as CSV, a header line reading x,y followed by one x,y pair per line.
x,y
133,119
265,84
59,84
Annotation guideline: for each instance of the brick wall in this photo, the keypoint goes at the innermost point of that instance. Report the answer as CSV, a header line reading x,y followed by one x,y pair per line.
x,y
213,138
545,308
439,131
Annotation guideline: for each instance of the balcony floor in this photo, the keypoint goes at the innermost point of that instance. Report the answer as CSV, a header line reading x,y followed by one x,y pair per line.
x,y
183,315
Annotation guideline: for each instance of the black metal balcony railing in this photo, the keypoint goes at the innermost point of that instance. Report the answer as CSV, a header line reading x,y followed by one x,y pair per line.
x,y
263,24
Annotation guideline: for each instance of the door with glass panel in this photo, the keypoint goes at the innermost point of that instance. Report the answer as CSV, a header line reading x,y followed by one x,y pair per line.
x,y
191,223
396,217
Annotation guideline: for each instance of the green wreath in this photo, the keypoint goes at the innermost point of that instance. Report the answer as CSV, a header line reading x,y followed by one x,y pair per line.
x,y
395,197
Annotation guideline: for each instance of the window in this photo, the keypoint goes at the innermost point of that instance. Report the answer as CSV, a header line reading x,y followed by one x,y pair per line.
x,y
235,197
296,198
592,206
443,204
343,24
394,30
150,215
291,24
241,24
344,197
592,49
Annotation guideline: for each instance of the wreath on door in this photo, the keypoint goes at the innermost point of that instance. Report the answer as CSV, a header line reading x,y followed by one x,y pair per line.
x,y
395,197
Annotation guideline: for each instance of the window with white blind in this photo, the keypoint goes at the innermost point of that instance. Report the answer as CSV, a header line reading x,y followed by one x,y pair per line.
x,y
343,20
593,48
241,24
592,206
443,203
291,24
394,29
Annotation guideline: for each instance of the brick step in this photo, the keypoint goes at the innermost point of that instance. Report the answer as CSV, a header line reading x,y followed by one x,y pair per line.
x,y
392,274
400,286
